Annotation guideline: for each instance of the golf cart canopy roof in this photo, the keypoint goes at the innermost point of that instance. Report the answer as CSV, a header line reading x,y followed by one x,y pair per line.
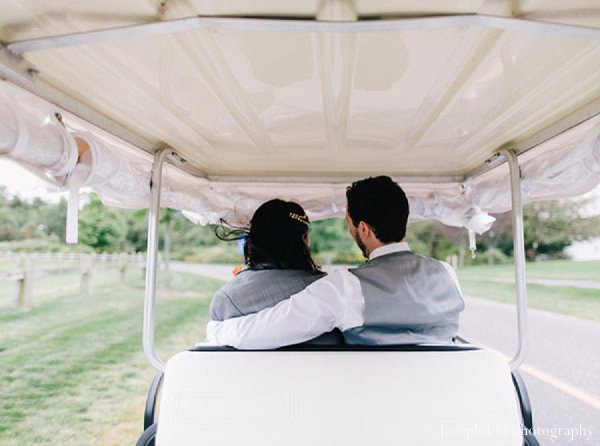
x,y
297,99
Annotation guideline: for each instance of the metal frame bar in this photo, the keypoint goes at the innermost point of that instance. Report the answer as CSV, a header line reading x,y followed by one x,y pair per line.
x,y
294,25
345,180
336,85
151,260
519,257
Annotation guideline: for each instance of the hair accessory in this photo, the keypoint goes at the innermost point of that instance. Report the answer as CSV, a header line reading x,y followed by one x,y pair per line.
x,y
300,218
238,269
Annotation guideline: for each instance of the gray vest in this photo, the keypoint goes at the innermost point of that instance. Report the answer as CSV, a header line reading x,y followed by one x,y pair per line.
x,y
253,290
408,299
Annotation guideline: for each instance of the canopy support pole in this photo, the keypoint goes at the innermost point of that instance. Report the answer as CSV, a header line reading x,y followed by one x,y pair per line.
x,y
519,257
151,260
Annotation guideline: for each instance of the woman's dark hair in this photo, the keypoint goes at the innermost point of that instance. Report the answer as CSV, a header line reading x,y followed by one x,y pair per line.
x,y
382,204
275,236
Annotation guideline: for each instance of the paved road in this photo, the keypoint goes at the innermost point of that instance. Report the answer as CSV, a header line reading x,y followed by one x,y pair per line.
x,y
562,371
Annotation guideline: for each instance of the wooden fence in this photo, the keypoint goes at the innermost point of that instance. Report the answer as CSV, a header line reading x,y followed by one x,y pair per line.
x,y
26,270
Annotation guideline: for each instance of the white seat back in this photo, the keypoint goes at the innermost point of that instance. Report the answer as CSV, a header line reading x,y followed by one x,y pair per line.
x,y
338,398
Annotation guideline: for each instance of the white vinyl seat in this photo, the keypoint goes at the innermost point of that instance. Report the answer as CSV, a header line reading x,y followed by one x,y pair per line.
x,y
311,398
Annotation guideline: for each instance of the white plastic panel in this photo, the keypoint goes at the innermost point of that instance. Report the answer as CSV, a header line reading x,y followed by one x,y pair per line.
x,y
338,398
578,12
393,76
523,83
233,108
233,102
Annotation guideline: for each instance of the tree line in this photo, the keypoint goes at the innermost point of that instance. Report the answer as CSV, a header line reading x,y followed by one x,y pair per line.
x,y
39,225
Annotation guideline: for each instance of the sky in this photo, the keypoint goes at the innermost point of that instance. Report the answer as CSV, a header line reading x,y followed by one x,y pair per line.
x,y
26,185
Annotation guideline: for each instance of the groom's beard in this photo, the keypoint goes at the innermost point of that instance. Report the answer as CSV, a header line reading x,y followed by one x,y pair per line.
x,y
361,245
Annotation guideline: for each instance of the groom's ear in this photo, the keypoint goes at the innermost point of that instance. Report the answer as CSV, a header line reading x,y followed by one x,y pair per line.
x,y
363,227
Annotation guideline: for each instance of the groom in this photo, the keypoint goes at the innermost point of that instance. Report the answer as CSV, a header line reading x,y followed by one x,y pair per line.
x,y
396,297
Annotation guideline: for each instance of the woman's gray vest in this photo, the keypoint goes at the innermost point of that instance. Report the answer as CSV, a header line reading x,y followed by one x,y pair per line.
x,y
408,299
254,290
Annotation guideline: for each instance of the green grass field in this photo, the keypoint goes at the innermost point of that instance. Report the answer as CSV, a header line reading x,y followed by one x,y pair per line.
x,y
556,269
582,302
72,370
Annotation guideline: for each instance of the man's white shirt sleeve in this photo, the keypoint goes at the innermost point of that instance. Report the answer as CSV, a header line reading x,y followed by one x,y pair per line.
x,y
335,301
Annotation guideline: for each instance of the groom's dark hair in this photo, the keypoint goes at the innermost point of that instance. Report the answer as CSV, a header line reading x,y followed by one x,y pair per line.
x,y
382,204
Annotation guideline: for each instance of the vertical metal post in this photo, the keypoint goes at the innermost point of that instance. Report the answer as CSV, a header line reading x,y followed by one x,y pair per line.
x,y
151,260
519,257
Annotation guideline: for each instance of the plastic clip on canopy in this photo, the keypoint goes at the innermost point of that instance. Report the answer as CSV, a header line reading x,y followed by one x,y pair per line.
x,y
472,242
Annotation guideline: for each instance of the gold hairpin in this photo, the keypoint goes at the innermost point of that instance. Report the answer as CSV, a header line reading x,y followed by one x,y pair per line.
x,y
300,218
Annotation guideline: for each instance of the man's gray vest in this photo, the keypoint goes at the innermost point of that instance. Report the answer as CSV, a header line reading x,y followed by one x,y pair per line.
x,y
408,299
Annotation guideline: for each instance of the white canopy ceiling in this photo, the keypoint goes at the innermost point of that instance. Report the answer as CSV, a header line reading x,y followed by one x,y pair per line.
x,y
304,96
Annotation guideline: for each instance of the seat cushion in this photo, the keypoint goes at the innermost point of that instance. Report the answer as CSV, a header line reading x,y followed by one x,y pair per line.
x,y
338,398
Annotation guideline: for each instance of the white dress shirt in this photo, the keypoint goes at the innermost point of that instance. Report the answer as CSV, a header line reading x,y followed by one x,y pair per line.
x,y
335,301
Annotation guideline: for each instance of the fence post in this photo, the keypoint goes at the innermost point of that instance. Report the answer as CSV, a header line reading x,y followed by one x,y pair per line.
x,y
144,266
123,268
25,284
87,270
